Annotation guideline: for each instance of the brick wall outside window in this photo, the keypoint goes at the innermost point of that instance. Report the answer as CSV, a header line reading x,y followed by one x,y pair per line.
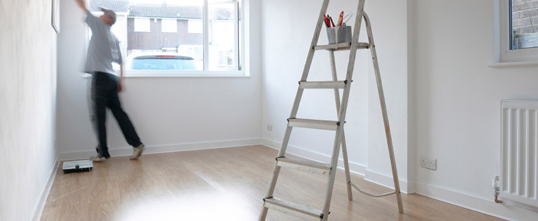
x,y
525,16
525,23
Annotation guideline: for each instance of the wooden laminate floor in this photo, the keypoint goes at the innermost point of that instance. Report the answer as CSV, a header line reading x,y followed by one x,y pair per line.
x,y
220,184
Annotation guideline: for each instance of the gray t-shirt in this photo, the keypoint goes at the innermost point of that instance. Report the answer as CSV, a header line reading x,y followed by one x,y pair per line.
x,y
104,47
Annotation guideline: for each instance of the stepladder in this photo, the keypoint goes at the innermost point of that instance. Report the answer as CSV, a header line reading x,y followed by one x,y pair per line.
x,y
329,169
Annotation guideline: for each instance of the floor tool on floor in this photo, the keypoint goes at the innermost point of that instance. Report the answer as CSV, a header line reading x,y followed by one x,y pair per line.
x,y
77,166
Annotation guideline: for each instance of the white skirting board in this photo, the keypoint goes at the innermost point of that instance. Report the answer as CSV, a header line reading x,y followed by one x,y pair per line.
x,y
486,206
127,151
38,209
387,181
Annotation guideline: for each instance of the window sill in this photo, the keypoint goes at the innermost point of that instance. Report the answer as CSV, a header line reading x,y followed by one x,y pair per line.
x,y
513,64
223,74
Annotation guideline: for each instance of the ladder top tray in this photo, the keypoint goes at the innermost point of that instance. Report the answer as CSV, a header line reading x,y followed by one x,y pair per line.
x,y
341,46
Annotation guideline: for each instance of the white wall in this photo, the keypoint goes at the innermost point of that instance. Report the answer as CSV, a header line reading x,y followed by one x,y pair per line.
x,y
457,101
168,113
27,105
389,24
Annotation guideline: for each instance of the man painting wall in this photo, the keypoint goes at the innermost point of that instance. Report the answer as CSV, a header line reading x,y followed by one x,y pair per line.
x,y
102,51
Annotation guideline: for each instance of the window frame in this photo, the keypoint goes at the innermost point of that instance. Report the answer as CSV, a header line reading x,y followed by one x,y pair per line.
x,y
504,56
242,47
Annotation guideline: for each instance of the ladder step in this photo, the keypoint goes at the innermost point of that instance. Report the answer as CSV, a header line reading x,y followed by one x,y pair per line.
x,y
322,84
341,46
314,124
298,210
303,165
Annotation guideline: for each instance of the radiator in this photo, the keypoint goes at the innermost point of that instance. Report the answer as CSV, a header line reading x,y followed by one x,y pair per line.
x,y
519,152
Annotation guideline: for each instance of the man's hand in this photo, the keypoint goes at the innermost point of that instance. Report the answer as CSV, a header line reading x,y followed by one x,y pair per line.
x,y
82,5
120,86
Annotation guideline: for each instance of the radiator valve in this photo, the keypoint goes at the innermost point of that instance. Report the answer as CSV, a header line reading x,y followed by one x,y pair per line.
x,y
496,189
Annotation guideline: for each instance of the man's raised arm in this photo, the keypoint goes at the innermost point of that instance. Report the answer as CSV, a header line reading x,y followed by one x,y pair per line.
x,y
82,5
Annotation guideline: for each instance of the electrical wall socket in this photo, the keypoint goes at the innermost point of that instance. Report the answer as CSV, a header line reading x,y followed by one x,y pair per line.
x,y
269,127
430,164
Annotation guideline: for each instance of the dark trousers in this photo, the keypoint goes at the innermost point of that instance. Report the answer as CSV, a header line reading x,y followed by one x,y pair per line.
x,y
104,93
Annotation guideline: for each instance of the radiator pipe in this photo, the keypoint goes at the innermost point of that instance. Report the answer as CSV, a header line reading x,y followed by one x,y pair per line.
x,y
497,200
496,189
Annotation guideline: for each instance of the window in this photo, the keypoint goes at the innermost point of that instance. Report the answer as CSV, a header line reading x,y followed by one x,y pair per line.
x,y
523,24
516,31
169,25
142,25
205,34
222,34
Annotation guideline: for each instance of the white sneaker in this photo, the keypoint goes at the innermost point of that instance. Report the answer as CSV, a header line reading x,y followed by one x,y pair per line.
x,y
137,152
97,158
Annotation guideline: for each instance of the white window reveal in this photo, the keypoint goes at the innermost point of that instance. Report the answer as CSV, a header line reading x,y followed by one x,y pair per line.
x,y
142,25
169,25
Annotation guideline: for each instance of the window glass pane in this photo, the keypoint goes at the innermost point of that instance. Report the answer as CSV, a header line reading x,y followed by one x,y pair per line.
x,y
141,25
170,37
176,28
240,38
524,24
223,34
169,25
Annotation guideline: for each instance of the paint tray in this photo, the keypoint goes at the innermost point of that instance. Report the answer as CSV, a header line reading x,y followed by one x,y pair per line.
x,y
77,166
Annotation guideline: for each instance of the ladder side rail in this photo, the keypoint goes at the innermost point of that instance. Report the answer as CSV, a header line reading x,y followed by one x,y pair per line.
x,y
346,167
335,78
344,145
343,107
332,173
309,58
274,177
384,111
351,62
315,39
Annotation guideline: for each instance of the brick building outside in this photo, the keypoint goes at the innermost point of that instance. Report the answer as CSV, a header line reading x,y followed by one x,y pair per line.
x,y
525,23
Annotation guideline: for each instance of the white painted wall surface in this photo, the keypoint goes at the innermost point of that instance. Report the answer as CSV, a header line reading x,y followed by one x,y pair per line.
x,y
166,112
286,36
457,100
27,105
389,24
